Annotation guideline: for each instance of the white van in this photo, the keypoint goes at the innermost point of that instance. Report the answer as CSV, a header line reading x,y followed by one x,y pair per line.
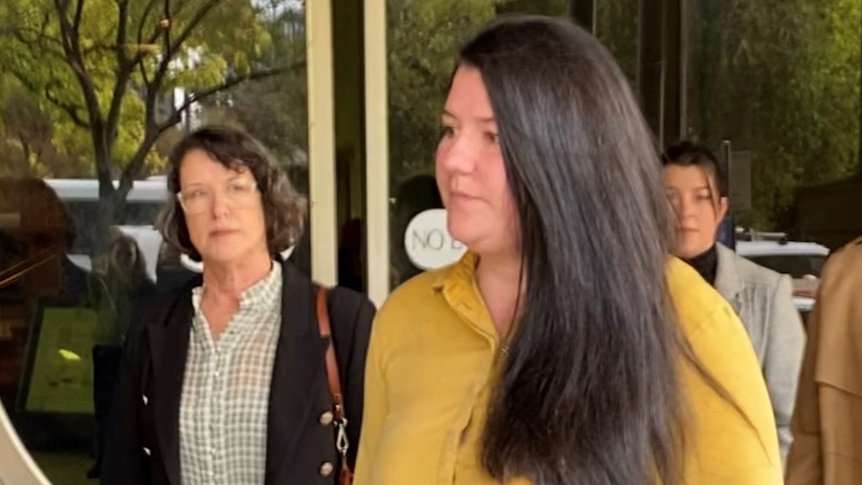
x,y
143,203
802,261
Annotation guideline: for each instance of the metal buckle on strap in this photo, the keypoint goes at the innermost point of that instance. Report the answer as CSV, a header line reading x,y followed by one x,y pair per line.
x,y
341,441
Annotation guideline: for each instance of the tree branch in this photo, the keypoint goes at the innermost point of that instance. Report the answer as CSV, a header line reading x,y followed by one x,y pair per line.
x,y
169,51
153,86
79,12
157,31
98,47
122,27
36,37
171,47
138,59
229,83
123,73
154,130
198,17
73,57
60,7
166,27
68,108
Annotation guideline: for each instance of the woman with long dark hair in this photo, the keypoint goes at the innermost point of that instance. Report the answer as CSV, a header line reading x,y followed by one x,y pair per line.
x,y
567,346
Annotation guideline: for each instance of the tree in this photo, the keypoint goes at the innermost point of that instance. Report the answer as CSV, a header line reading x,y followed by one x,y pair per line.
x,y
781,79
859,168
275,109
617,28
27,139
109,71
423,41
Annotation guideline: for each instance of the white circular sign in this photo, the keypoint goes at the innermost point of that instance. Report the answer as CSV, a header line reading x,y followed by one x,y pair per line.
x,y
428,243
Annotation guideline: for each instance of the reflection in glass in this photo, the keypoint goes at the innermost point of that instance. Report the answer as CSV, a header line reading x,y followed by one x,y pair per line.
x,y
84,136
783,85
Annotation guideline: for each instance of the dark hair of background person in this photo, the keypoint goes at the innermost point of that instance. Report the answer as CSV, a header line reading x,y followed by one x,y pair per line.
x,y
689,154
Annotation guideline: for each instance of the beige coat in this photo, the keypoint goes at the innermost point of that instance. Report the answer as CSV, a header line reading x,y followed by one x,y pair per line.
x,y
827,422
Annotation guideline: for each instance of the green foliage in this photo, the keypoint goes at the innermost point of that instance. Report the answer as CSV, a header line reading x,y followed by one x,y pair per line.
x,y
617,28
423,40
275,109
781,79
104,71
89,93
103,76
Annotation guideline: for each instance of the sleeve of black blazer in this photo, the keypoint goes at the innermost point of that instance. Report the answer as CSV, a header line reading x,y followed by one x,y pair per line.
x,y
124,462
351,315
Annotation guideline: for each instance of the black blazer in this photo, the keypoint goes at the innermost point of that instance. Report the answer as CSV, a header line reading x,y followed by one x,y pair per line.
x,y
143,447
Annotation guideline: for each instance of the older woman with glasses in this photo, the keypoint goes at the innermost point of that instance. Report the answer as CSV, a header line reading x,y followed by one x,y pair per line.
x,y
236,377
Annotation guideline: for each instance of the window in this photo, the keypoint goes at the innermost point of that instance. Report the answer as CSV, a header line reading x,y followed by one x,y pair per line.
x,y
62,234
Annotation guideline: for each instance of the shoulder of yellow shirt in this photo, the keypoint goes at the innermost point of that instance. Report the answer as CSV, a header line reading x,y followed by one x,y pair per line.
x,y
704,316
694,300
411,298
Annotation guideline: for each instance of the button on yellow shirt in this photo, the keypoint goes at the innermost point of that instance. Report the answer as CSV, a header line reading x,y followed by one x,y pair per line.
x,y
431,355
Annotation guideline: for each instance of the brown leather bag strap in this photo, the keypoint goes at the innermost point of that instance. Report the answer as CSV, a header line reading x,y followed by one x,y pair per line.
x,y
340,417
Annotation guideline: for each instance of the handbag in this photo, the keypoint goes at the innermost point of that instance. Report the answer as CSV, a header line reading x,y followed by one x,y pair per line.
x,y
340,418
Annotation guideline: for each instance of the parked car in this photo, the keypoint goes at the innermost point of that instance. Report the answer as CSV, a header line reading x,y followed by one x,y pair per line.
x,y
802,261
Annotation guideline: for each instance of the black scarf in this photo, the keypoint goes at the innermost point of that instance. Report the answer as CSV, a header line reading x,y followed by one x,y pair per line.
x,y
706,264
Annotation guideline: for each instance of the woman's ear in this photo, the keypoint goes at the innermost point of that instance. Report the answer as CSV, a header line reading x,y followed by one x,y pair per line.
x,y
723,206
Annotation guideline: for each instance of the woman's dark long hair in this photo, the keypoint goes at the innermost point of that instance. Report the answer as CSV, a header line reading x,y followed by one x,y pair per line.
x,y
589,393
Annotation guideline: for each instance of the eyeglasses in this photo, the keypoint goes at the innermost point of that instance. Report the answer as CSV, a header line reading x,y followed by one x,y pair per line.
x,y
239,194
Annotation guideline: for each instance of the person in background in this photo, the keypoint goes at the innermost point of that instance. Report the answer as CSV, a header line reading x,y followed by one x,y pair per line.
x,y
697,188
567,346
226,380
114,284
113,290
827,421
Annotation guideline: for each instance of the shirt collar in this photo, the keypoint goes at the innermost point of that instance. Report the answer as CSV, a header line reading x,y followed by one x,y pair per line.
x,y
457,285
259,297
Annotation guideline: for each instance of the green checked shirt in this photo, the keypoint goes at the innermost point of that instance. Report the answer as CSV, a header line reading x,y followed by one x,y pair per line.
x,y
225,397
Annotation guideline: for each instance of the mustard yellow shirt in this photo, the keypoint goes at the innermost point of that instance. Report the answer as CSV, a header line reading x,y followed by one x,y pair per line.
x,y
432,350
